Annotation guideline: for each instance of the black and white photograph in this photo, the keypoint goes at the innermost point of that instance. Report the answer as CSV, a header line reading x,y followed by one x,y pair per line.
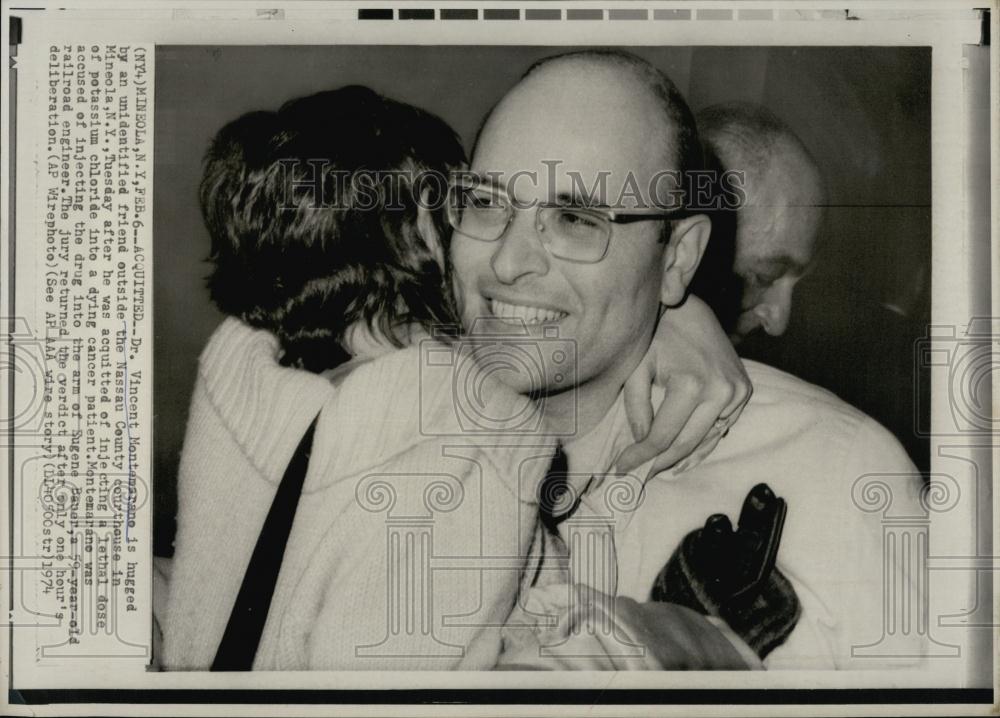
x,y
326,212
545,363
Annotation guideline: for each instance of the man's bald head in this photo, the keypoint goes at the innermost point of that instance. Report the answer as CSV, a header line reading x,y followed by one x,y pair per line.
x,y
778,221
680,132
673,130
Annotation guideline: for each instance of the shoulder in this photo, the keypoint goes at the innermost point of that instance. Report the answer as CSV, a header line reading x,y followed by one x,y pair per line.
x,y
810,447
833,465
433,387
809,420
816,451
244,395
773,387
419,409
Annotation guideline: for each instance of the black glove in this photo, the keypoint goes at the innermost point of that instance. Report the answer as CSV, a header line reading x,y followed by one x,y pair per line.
x,y
731,574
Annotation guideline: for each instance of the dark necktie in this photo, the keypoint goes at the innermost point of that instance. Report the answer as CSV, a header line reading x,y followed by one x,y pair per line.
x,y
246,622
556,502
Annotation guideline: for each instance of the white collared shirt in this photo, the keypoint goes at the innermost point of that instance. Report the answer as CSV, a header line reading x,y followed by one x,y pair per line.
x,y
815,451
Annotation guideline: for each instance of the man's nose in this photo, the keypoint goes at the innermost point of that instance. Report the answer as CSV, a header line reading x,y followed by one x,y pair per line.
x,y
520,251
776,308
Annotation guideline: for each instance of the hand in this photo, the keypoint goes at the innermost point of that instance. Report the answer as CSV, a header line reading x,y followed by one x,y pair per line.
x,y
679,639
590,630
706,389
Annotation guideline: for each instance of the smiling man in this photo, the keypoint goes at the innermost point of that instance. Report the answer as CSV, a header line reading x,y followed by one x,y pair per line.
x,y
558,260
560,230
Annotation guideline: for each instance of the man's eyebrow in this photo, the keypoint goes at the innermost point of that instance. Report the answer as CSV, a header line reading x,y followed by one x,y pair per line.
x,y
574,199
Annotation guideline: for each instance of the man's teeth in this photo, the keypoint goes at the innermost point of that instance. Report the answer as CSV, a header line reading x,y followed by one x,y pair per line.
x,y
526,314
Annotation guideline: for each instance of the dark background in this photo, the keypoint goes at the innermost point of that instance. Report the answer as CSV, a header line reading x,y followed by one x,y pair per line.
x,y
864,113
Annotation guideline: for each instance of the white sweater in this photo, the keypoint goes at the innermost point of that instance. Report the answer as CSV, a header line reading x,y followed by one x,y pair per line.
x,y
384,567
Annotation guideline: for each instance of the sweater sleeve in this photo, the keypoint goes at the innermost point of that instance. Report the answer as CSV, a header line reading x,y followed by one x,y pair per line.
x,y
430,557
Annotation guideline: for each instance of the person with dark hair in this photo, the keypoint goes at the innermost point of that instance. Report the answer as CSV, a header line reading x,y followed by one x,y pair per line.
x,y
329,256
312,235
331,266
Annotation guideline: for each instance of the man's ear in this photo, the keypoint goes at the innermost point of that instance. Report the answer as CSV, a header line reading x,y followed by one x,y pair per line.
x,y
682,256
428,232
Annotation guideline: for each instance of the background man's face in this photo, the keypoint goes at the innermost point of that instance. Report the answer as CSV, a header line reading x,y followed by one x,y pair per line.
x,y
776,239
771,259
591,121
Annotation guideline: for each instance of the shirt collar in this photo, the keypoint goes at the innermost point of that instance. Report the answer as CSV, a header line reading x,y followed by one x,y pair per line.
x,y
591,460
594,453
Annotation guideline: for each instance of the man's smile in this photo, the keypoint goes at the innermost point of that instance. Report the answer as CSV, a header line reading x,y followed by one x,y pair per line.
x,y
526,313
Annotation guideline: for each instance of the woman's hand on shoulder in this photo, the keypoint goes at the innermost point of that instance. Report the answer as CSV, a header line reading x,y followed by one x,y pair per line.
x,y
706,386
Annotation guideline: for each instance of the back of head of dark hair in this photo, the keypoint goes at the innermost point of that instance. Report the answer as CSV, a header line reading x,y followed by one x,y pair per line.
x,y
312,212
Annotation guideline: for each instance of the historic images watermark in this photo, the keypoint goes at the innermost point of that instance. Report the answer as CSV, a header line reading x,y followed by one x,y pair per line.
x,y
319,183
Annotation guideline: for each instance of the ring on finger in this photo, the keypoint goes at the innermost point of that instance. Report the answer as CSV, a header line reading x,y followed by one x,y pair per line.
x,y
722,424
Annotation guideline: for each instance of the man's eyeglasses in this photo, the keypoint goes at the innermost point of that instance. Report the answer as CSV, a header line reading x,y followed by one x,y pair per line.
x,y
579,234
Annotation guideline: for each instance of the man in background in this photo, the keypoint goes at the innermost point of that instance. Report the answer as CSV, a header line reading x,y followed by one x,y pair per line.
x,y
770,242
777,224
